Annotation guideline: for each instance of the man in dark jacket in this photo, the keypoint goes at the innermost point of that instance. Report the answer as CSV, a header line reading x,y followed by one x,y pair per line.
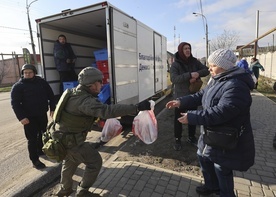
x,y
226,102
65,58
31,97
185,71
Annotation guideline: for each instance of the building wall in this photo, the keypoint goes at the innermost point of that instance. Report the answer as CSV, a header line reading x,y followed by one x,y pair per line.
x,y
10,68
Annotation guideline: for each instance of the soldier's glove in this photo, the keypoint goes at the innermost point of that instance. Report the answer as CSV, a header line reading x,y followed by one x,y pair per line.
x,y
99,144
144,105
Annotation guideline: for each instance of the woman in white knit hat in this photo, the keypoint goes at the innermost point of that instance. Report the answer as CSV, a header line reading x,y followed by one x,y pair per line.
x,y
226,102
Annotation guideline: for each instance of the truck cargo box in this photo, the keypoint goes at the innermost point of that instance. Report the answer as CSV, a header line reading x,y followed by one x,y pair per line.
x,y
136,54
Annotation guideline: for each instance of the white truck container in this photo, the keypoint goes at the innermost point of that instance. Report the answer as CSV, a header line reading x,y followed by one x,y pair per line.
x,y
137,55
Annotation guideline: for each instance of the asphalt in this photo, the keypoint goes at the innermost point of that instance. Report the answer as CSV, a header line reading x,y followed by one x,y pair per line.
x,y
133,179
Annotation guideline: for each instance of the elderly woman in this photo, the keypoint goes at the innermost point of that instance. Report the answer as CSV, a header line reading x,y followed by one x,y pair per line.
x,y
226,102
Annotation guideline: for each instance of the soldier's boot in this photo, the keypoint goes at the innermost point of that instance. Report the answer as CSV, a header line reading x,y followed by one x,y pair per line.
x,y
83,192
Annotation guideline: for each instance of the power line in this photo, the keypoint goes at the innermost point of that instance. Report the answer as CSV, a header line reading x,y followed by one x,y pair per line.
x,y
5,27
14,28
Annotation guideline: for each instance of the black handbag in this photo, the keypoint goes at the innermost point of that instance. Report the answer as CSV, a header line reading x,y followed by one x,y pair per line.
x,y
221,137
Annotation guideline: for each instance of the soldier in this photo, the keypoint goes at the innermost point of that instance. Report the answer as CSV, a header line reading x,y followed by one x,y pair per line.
x,y
74,116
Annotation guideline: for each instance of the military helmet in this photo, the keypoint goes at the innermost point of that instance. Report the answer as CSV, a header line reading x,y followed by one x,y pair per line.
x,y
89,75
28,66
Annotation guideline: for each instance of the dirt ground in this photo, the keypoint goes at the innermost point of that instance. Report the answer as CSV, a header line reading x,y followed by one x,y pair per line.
x,y
161,153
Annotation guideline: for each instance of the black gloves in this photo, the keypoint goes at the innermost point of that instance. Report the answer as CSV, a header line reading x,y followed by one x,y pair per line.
x,y
99,144
144,105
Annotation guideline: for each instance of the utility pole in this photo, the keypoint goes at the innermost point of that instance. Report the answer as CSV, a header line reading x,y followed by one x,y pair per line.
x,y
273,42
174,40
206,34
30,28
257,35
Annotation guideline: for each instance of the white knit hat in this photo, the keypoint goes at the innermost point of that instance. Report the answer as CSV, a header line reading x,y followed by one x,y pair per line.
x,y
223,58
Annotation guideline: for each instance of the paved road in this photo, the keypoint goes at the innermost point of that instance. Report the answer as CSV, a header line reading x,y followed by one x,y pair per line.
x,y
13,154
17,173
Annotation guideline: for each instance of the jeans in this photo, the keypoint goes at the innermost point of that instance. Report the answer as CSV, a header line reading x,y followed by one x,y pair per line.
x,y
217,177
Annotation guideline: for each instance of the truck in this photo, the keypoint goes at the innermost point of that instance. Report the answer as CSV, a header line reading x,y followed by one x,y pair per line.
x,y
136,55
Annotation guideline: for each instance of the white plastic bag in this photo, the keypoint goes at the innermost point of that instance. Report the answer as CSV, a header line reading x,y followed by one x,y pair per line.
x,y
111,129
145,125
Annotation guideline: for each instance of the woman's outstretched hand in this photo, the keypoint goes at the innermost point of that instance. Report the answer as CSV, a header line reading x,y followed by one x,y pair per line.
x,y
173,104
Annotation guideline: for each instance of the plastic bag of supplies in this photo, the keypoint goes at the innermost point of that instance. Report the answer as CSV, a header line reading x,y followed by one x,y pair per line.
x,y
144,125
112,128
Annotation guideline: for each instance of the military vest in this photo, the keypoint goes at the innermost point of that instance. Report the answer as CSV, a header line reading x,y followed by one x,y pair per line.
x,y
68,122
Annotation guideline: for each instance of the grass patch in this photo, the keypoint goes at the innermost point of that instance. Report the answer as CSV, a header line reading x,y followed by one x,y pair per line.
x,y
5,89
265,86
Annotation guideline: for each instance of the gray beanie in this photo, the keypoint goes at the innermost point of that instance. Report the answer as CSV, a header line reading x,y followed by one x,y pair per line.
x,y
223,58
89,75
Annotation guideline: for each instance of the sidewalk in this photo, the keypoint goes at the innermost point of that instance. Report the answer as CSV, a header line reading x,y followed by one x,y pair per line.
x,y
137,179
133,179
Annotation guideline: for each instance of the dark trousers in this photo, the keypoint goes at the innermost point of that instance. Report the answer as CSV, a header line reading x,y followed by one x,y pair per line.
x,y
256,85
178,125
217,177
33,133
65,76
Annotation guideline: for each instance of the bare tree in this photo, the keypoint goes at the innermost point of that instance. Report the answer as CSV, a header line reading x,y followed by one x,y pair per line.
x,y
227,40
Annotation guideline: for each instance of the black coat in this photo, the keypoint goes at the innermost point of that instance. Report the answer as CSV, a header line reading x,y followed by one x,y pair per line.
x,y
62,52
31,98
226,100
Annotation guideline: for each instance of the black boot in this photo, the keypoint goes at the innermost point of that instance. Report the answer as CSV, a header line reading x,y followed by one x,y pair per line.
x,y
38,165
177,146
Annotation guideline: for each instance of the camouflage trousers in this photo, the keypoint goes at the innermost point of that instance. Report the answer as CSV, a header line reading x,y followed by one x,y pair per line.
x,y
84,153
